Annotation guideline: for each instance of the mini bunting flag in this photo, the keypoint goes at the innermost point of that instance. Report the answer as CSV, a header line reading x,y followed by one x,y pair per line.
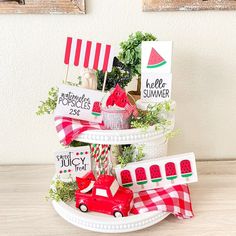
x,y
88,54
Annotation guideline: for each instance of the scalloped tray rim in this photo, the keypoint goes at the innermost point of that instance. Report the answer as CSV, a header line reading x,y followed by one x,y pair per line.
x,y
125,136
107,224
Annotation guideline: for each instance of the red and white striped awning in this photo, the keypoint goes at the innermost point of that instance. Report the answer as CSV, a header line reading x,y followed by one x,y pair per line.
x,y
89,54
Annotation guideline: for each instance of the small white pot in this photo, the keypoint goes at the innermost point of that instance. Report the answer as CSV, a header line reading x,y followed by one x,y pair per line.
x,y
154,148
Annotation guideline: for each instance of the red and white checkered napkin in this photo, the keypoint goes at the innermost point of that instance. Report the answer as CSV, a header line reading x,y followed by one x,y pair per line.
x,y
174,199
69,129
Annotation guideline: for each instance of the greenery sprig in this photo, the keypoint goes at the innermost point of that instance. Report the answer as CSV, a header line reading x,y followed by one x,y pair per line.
x,y
48,106
153,116
62,191
129,154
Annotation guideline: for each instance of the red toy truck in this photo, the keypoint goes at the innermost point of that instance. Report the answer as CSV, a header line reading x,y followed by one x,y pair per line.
x,y
106,197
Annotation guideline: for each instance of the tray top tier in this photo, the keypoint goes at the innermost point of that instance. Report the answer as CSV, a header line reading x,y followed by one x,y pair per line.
x,y
126,136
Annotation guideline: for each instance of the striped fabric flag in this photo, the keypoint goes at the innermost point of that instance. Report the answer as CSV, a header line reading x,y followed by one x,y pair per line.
x,y
89,54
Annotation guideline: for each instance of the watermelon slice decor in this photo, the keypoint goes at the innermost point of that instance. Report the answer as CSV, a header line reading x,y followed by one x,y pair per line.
x,y
155,174
155,59
85,184
126,178
96,111
171,173
186,170
141,176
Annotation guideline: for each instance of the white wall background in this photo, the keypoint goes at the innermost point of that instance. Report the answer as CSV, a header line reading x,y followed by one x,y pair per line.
x,y
204,65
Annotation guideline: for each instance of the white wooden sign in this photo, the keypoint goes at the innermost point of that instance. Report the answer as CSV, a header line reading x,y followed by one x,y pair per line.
x,y
159,172
156,87
78,103
156,57
156,74
73,162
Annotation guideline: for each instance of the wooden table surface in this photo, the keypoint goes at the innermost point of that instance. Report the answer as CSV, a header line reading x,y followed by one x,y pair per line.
x,y
25,212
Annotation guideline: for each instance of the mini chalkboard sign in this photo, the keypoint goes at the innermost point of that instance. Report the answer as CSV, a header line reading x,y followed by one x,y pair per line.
x,y
156,77
78,103
73,162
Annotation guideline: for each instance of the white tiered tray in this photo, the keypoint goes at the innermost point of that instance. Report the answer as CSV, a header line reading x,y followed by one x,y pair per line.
x,y
125,136
105,223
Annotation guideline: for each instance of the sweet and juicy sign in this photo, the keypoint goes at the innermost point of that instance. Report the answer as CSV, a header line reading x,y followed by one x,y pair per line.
x,y
73,162
156,71
77,103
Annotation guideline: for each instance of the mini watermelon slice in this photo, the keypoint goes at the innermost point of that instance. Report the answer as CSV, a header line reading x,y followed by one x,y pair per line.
x,y
155,59
186,170
126,178
86,183
96,111
155,174
141,176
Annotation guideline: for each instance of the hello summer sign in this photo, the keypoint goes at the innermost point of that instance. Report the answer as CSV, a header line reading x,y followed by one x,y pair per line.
x,y
156,71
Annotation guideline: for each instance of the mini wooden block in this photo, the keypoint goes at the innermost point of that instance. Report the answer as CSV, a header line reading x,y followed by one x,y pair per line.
x,y
73,162
156,87
159,172
78,103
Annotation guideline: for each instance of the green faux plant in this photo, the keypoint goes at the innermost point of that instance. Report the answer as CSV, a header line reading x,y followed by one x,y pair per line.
x,y
120,74
130,53
129,154
62,191
48,106
153,116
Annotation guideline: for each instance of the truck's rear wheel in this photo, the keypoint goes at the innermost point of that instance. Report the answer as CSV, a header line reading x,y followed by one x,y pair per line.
x,y
83,207
118,214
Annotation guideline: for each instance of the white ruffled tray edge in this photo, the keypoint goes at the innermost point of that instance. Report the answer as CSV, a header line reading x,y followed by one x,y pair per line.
x,y
105,223
126,136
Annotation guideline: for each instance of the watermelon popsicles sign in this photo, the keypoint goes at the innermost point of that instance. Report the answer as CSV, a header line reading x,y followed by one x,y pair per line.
x,y
77,103
159,172
156,77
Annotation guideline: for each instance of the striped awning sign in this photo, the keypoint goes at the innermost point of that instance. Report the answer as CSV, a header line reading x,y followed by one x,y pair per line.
x,y
88,54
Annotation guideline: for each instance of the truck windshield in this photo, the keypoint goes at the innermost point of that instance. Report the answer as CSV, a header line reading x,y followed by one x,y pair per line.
x,y
114,187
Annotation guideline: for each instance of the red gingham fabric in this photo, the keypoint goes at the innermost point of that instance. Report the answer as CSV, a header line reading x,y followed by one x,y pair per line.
x,y
131,110
68,129
174,199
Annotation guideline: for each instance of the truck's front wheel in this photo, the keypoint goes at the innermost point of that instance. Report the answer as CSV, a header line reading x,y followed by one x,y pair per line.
x,y
83,207
118,214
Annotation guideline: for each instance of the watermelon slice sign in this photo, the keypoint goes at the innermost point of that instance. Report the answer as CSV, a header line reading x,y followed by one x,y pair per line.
x,y
155,59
